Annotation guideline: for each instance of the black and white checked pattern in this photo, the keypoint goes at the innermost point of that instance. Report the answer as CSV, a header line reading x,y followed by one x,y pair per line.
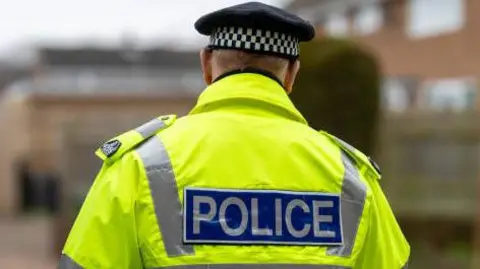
x,y
255,40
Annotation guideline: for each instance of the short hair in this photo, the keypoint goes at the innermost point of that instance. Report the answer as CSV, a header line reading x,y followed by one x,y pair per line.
x,y
236,59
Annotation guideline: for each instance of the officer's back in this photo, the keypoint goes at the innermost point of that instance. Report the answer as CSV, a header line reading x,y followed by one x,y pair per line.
x,y
242,181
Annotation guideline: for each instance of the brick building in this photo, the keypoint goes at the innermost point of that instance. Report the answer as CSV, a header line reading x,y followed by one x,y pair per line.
x,y
88,92
428,49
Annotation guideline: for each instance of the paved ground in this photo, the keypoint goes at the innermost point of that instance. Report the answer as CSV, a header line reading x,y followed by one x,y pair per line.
x,y
26,243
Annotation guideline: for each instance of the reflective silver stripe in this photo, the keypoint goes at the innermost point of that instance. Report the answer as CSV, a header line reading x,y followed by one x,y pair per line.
x,y
163,187
150,128
346,145
67,263
255,266
353,197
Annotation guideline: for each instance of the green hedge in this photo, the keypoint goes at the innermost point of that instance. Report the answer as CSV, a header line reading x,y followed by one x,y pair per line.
x,y
338,90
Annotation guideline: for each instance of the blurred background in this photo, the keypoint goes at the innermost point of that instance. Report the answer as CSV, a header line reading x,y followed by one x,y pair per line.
x,y
76,73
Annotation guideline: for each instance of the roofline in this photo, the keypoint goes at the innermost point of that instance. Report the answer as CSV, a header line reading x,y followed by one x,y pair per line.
x,y
38,98
59,56
295,5
317,11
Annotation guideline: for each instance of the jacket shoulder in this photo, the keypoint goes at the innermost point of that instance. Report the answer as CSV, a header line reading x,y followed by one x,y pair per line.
x,y
116,147
362,160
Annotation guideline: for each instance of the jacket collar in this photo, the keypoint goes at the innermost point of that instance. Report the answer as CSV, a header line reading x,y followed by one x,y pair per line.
x,y
251,71
252,84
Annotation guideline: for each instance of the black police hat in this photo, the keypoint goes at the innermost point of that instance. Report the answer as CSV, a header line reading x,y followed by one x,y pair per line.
x,y
256,27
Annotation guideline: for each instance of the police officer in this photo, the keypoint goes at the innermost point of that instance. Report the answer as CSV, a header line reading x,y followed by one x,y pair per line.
x,y
242,181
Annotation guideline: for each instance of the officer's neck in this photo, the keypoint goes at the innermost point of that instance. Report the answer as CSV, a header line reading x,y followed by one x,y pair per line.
x,y
253,70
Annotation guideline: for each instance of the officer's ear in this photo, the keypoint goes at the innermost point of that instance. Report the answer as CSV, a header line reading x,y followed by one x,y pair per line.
x,y
293,67
206,61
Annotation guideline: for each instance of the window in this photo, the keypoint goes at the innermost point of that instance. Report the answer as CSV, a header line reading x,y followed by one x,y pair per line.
x,y
398,94
428,18
368,19
337,25
450,94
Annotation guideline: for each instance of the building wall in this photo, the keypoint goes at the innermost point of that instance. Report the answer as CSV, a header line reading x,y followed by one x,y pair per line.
x,y
121,115
438,71
40,124
445,55
15,137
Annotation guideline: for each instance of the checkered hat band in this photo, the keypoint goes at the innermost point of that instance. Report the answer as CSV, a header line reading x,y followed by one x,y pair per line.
x,y
255,40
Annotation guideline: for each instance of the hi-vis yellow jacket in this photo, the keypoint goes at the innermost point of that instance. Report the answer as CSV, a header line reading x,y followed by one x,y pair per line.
x,y
241,182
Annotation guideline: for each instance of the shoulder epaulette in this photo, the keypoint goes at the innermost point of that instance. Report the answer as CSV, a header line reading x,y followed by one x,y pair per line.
x,y
116,147
355,154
